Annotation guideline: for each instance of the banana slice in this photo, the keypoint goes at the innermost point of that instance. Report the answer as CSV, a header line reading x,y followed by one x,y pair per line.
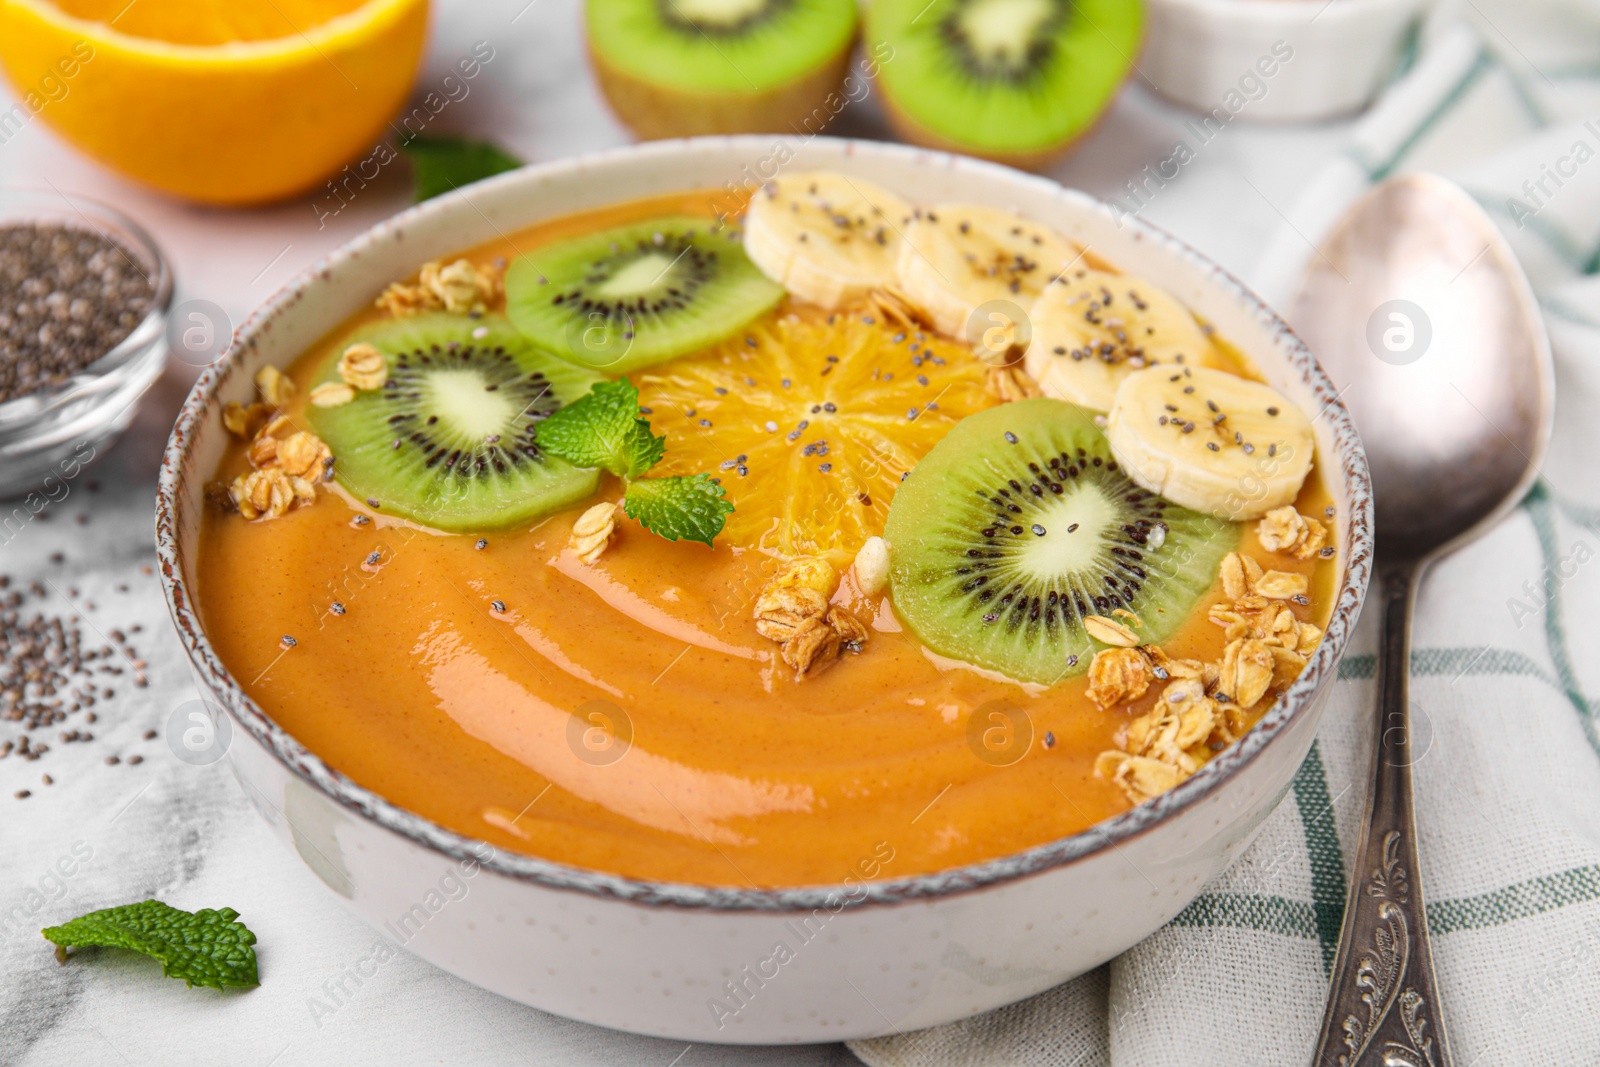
x,y
958,257
825,237
1092,329
1210,440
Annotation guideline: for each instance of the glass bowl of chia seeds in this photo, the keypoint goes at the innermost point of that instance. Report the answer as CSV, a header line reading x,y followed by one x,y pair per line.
x,y
84,295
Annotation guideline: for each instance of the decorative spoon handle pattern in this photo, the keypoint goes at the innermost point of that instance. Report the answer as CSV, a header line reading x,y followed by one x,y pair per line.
x,y
1383,1005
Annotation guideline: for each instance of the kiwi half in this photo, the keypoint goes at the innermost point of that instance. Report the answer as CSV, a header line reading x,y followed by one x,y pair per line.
x,y
636,295
1016,81
1019,524
448,441
677,68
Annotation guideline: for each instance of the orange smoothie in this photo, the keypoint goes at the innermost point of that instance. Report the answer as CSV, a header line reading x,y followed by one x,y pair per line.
x,y
626,716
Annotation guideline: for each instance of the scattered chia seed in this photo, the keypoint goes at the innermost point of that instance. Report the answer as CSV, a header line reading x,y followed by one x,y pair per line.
x,y
483,543
71,297
337,608
499,606
288,641
47,674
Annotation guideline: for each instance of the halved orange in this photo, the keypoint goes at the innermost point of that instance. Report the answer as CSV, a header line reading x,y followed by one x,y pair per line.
x,y
810,419
222,101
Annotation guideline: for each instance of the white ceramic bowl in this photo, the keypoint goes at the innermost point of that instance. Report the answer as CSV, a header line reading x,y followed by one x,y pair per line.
x,y
697,963
1275,59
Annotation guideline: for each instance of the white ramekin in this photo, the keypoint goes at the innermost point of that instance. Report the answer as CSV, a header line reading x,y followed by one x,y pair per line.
x,y
1275,59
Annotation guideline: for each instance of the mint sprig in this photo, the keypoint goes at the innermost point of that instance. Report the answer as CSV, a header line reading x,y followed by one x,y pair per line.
x,y
603,429
688,507
205,947
440,164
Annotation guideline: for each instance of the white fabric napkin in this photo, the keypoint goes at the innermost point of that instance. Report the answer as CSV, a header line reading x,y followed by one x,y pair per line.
x,y
1504,98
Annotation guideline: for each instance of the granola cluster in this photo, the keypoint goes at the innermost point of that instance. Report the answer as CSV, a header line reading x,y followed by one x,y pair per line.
x,y
1010,383
793,610
1261,626
872,566
591,534
461,286
287,465
1204,706
895,308
361,368
1287,531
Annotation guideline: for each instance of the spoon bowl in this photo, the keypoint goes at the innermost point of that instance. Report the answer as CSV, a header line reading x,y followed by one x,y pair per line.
x,y
1421,315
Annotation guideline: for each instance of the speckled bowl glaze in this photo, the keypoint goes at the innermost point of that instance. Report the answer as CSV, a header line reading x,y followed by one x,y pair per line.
x,y
704,963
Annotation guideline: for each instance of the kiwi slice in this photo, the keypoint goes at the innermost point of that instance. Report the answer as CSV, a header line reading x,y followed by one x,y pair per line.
x,y
448,440
1012,80
637,295
1019,524
676,68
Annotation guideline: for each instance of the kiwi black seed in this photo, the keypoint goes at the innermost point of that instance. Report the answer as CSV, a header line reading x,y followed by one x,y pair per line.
x,y
1012,80
448,440
1019,524
676,68
629,297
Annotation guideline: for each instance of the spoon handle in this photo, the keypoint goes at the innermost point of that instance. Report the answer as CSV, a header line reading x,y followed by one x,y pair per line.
x,y
1383,1004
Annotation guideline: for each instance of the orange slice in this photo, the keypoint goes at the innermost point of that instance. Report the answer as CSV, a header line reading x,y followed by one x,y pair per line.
x,y
222,101
810,419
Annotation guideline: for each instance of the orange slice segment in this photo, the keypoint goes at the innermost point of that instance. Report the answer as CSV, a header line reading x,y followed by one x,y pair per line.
x,y
810,419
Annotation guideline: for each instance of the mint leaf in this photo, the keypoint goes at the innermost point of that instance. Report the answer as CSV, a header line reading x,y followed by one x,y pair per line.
x,y
603,429
691,507
203,948
440,164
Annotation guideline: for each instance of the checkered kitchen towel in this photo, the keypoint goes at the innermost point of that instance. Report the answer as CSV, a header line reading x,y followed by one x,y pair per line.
x,y
1503,97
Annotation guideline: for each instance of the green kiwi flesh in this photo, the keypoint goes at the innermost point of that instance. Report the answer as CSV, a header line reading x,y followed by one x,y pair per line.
x,y
1005,76
1019,524
720,46
637,295
448,441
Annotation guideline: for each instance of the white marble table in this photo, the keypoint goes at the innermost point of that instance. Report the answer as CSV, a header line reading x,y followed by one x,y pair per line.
x,y
186,834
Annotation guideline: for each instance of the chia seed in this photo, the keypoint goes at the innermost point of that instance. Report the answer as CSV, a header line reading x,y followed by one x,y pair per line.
x,y
67,297
47,674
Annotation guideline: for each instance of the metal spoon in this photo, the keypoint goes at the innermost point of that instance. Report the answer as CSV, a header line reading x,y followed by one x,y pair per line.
x,y
1419,311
